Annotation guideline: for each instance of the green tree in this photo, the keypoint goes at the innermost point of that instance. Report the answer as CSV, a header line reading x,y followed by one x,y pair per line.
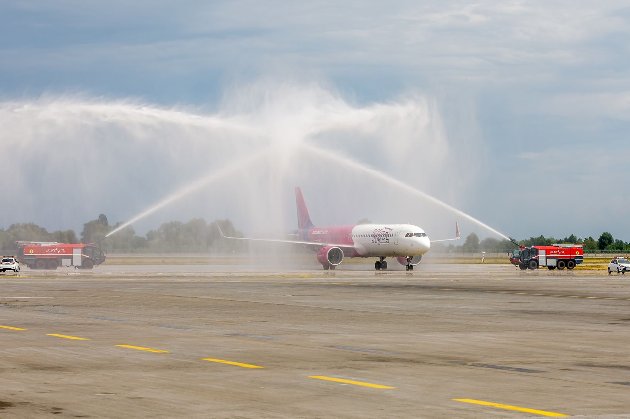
x,y
490,244
605,240
471,244
571,239
125,240
617,245
590,244
94,231
65,236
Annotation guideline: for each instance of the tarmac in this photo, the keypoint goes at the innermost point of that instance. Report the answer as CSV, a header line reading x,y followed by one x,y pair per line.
x,y
446,341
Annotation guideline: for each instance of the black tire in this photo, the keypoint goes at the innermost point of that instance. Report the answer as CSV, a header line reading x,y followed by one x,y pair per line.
x,y
384,265
326,267
570,264
551,268
561,264
52,264
609,271
86,264
377,265
40,264
522,266
533,265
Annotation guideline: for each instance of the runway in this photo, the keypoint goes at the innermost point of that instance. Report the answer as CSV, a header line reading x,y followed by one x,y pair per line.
x,y
446,341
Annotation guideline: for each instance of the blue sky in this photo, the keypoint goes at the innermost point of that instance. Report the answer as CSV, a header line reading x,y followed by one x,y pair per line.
x,y
531,99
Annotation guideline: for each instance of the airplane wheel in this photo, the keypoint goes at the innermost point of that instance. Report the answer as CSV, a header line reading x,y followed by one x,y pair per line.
x,y
377,265
384,265
326,267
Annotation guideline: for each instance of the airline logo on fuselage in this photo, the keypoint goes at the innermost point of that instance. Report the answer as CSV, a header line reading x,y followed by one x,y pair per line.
x,y
381,235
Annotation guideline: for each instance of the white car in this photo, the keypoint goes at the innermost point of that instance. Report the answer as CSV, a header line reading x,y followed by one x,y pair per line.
x,y
619,265
9,263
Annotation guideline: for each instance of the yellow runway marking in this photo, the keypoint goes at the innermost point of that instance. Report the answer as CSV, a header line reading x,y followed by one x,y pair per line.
x,y
353,382
514,408
66,336
142,348
12,328
237,364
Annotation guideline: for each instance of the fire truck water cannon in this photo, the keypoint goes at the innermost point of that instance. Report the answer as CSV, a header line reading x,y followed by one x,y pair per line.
x,y
51,255
558,256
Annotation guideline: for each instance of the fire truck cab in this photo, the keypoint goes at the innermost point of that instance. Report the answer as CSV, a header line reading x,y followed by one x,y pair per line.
x,y
555,256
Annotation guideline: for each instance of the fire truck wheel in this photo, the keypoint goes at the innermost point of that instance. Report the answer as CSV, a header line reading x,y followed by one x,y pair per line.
x,y
40,264
522,266
562,264
532,265
87,264
52,264
571,264
551,268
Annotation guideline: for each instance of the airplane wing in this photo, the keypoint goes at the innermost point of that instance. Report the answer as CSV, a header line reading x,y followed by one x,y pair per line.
x,y
315,245
457,236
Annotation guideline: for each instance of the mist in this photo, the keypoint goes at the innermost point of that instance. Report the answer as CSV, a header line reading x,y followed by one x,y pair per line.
x,y
70,158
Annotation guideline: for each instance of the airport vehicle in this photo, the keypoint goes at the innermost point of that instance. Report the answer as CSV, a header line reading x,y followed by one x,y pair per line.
x,y
620,265
405,242
9,263
51,255
555,256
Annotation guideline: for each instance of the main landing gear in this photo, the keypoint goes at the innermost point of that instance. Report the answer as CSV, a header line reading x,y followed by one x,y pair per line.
x,y
380,264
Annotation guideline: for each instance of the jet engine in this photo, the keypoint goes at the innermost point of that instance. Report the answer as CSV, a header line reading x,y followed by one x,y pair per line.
x,y
330,256
414,260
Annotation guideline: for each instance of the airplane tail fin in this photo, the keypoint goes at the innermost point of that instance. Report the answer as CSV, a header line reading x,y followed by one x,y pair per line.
x,y
304,219
457,235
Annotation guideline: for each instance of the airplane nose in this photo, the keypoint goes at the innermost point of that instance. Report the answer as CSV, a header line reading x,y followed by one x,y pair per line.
x,y
425,244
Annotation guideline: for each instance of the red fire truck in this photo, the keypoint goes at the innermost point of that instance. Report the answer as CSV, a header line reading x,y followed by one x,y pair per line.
x,y
555,256
51,255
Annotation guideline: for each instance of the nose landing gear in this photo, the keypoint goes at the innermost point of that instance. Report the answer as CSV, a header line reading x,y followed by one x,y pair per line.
x,y
409,266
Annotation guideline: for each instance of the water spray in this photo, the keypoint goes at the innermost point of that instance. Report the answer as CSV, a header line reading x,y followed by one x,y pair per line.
x,y
195,186
380,175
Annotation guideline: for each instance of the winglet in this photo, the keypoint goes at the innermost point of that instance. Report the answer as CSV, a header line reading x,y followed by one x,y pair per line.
x,y
220,231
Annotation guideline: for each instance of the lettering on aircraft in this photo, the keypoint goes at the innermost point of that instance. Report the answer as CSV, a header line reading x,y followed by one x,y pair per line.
x,y
319,232
381,235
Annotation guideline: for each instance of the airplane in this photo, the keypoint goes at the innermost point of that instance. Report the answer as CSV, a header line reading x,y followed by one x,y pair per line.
x,y
405,242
